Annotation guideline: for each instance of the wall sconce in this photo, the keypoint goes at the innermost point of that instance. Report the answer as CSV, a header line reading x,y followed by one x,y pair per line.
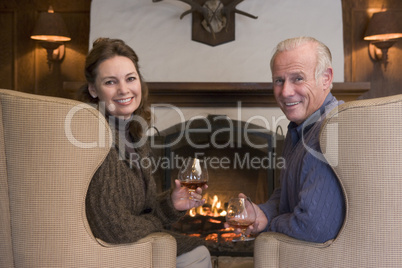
x,y
383,31
50,29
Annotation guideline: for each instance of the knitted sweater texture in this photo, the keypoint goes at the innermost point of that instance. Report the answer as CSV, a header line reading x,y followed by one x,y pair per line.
x,y
123,206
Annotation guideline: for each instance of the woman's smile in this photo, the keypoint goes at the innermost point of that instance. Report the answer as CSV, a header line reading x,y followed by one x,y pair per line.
x,y
124,101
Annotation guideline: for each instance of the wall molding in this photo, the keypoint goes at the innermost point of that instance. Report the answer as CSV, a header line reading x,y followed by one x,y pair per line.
x,y
211,94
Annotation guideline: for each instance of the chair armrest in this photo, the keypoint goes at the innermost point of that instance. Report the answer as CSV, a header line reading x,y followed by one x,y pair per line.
x,y
270,246
160,246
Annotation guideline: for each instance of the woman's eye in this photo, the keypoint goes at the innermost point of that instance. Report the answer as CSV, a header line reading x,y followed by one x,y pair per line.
x,y
132,78
110,82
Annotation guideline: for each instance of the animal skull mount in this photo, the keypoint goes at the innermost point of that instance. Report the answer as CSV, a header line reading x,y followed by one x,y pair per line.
x,y
213,20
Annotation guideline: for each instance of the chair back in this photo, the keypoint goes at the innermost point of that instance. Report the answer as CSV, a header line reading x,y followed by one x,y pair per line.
x,y
50,148
362,141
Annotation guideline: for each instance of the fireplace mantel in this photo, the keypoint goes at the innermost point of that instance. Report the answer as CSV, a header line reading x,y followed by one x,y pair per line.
x,y
211,94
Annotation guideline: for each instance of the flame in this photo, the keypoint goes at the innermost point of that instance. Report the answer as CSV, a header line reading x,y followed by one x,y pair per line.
x,y
215,210
214,221
192,212
214,201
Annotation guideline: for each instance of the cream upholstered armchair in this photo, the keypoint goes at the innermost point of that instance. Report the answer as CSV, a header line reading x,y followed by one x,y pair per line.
x,y
49,150
362,140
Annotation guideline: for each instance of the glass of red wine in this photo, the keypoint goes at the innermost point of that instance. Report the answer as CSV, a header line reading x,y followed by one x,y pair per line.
x,y
240,214
193,173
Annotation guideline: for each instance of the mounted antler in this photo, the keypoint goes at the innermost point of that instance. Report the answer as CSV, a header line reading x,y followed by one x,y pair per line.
x,y
231,8
195,7
216,16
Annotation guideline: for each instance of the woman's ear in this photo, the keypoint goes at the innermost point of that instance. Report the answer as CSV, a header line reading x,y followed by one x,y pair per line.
x,y
92,91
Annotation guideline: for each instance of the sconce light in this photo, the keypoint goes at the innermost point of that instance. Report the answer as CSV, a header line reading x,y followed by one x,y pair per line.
x,y
51,31
383,31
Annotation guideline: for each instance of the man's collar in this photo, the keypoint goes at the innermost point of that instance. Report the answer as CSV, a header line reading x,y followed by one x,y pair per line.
x,y
307,124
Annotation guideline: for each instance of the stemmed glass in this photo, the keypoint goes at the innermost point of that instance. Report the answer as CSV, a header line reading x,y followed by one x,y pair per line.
x,y
241,214
193,173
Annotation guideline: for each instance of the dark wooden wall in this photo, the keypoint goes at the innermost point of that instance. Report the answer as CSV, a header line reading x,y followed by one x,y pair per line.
x,y
358,65
23,64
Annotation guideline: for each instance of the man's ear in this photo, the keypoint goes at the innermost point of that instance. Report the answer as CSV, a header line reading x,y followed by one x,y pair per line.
x,y
92,91
327,77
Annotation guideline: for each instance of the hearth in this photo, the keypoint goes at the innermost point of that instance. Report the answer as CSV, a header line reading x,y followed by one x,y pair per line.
x,y
218,239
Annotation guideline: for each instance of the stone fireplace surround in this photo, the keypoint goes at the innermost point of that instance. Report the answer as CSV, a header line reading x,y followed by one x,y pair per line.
x,y
241,157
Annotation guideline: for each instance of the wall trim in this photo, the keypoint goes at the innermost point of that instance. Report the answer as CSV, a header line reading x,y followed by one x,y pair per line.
x,y
220,94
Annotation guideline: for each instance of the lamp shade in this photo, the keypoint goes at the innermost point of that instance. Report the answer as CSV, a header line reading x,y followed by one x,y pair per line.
x,y
51,27
384,25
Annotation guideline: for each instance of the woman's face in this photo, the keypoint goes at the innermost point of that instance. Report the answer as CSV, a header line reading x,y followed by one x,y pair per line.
x,y
118,85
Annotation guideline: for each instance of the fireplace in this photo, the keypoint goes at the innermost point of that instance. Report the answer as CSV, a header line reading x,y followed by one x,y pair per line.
x,y
241,157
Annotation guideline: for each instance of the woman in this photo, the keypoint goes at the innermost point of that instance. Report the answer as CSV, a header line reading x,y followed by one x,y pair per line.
x,y
122,204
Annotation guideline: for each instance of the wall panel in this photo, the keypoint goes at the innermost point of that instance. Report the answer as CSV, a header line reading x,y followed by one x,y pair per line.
x,y
23,64
358,65
6,49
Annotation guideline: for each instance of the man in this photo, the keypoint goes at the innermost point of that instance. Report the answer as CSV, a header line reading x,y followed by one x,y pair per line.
x,y
309,205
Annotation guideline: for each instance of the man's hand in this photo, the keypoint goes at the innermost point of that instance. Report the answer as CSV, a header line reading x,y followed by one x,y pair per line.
x,y
260,223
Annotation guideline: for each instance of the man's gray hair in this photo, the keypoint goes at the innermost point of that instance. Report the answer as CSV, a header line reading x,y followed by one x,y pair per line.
x,y
324,57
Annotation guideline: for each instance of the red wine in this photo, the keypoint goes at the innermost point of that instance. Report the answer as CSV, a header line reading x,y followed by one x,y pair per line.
x,y
192,185
242,224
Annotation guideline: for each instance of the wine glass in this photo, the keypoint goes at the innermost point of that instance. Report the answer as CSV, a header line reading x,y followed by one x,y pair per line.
x,y
193,173
241,214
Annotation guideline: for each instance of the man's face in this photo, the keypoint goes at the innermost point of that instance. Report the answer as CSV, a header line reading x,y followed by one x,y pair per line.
x,y
297,92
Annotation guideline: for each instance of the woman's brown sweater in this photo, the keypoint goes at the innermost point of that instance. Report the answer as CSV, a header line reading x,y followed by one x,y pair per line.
x,y
122,204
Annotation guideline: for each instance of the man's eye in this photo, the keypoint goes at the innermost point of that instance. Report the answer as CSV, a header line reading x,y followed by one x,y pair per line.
x,y
298,79
278,81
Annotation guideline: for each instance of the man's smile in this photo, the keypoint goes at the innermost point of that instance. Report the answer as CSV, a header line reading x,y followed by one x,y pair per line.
x,y
292,103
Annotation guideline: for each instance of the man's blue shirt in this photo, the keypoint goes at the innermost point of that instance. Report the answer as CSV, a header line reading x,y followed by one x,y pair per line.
x,y
309,205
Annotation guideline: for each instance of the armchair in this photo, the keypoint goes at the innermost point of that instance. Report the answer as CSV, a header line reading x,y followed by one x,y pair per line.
x,y
49,150
362,141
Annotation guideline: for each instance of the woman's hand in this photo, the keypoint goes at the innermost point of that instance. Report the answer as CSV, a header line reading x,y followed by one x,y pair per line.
x,y
183,200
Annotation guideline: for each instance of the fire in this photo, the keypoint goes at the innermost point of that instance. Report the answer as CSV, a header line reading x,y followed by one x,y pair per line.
x,y
215,210
192,212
